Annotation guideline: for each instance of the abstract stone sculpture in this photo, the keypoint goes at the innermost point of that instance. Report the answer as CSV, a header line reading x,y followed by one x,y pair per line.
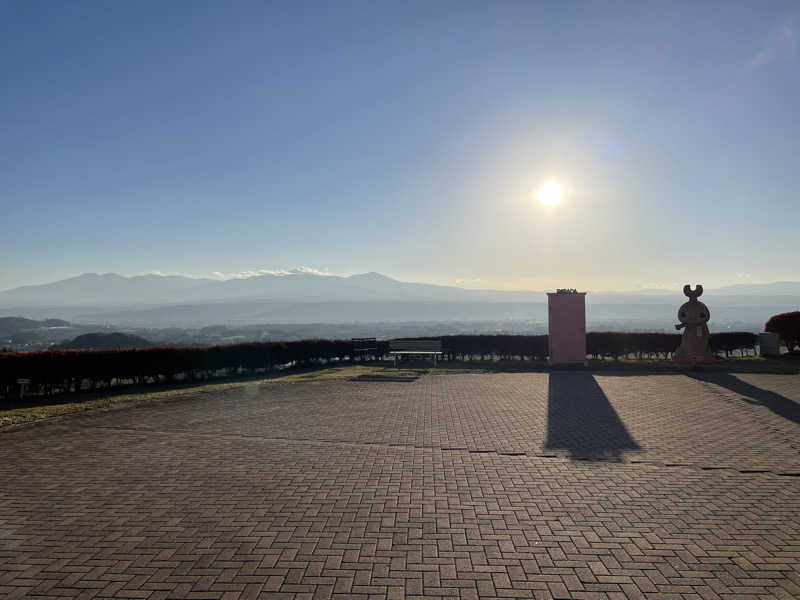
x,y
566,317
693,316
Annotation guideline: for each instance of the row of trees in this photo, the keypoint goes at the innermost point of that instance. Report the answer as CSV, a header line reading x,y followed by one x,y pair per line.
x,y
59,371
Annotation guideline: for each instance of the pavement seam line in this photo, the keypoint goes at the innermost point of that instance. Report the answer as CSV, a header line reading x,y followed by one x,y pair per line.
x,y
581,459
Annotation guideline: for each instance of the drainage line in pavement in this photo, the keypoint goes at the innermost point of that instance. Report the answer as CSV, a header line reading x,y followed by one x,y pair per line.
x,y
615,460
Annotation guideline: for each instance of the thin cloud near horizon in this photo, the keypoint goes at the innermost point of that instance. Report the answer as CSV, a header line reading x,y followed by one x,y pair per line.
x,y
280,272
780,44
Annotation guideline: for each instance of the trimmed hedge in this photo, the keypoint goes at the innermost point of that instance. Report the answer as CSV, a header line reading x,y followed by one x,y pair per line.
x,y
733,340
73,370
480,347
53,371
600,344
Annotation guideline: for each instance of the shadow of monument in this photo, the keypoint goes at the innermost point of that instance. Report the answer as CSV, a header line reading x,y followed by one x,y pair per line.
x,y
581,420
780,405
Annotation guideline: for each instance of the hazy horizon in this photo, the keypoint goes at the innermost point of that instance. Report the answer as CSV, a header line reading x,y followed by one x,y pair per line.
x,y
411,139
470,285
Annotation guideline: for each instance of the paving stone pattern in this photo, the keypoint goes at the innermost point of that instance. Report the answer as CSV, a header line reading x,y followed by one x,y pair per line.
x,y
569,485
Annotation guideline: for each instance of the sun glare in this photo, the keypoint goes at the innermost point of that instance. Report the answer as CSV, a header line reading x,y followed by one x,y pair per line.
x,y
550,193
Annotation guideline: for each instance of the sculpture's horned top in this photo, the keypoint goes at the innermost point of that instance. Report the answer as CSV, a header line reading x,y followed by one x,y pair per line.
x,y
693,295
693,312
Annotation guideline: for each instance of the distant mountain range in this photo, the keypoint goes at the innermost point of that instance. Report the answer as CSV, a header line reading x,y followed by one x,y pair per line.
x,y
166,301
779,288
110,289
12,325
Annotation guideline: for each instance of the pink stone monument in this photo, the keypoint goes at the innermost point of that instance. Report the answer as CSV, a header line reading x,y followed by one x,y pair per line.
x,y
693,316
566,310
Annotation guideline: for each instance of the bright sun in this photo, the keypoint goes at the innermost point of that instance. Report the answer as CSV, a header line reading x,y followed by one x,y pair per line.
x,y
550,193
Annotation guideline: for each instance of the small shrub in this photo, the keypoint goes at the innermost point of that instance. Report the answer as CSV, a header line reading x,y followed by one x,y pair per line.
x,y
787,326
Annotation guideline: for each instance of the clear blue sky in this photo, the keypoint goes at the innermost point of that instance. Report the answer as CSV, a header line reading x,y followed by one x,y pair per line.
x,y
407,138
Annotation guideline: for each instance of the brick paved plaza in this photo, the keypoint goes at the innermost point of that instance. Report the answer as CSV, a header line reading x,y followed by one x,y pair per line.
x,y
568,485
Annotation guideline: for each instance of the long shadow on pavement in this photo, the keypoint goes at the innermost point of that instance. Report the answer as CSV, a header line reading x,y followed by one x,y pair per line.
x,y
581,420
780,405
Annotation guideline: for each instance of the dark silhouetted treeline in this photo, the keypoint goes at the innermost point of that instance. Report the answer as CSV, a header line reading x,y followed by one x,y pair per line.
x,y
64,371
599,344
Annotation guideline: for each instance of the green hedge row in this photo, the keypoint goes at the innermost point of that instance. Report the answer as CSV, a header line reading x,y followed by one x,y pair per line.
x,y
74,370
662,345
71,370
598,344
